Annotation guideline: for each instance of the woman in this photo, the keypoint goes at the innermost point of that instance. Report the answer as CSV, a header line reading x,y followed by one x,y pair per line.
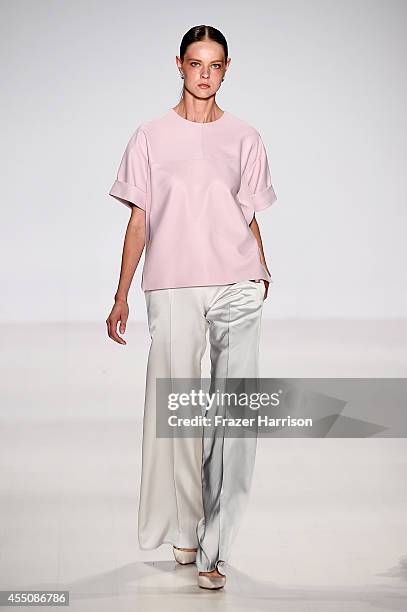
x,y
194,178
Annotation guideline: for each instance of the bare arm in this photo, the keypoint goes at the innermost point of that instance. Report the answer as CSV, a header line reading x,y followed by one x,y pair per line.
x,y
134,242
256,231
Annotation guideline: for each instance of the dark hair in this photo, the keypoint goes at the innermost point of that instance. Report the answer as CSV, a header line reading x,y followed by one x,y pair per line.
x,y
196,34
202,32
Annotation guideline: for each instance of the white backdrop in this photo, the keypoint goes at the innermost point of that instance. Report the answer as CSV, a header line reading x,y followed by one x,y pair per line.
x,y
323,82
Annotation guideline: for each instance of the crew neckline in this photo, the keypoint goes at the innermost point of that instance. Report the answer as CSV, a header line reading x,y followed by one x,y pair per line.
x,y
197,123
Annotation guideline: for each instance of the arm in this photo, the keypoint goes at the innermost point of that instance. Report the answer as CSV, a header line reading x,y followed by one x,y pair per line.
x,y
256,231
134,243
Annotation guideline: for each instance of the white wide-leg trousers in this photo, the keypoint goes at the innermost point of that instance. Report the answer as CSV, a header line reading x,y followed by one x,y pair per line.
x,y
193,490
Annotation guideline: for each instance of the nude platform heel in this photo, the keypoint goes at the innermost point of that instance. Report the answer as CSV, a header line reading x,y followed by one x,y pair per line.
x,y
184,557
211,582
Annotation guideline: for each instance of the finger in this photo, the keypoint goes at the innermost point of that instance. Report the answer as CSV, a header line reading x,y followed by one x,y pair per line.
x,y
117,338
113,333
122,327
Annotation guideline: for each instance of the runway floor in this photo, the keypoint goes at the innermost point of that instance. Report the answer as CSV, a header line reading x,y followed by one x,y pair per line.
x,y
325,529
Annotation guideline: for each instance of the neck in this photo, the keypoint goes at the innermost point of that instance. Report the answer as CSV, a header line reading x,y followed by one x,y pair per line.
x,y
198,110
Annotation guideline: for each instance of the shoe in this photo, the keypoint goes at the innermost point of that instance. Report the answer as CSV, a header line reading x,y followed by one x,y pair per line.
x,y
184,557
211,582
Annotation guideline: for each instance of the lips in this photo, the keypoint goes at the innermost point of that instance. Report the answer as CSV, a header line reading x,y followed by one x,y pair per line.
x,y
203,85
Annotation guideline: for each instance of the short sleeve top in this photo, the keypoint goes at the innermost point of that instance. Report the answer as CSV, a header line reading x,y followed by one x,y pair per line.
x,y
199,185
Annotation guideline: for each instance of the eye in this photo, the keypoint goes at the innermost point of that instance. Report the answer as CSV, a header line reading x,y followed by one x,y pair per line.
x,y
197,64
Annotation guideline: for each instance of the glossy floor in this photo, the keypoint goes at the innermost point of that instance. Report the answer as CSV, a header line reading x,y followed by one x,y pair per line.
x,y
325,527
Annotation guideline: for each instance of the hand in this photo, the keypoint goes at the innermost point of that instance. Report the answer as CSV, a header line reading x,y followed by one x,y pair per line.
x,y
267,283
120,312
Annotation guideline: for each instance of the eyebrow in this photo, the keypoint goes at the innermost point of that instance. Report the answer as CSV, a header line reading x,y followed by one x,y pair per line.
x,y
193,59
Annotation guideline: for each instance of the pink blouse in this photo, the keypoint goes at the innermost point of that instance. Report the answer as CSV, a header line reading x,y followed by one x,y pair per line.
x,y
200,185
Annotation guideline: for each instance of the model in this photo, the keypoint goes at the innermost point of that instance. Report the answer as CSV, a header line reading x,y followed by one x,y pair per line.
x,y
194,177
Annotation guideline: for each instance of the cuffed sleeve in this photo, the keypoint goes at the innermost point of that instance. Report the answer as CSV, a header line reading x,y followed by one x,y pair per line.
x,y
131,184
256,190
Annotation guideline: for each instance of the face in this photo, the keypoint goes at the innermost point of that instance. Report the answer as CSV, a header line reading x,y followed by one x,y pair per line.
x,y
204,63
